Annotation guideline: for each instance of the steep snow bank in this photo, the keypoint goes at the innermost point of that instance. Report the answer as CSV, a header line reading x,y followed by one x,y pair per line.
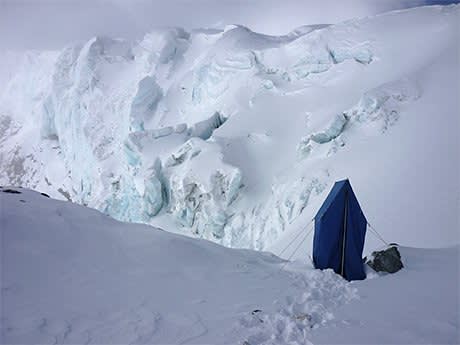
x,y
73,275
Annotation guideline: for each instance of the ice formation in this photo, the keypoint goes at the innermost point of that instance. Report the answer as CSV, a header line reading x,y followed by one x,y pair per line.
x,y
206,130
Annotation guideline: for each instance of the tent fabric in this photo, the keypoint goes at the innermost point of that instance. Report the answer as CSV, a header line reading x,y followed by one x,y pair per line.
x,y
340,230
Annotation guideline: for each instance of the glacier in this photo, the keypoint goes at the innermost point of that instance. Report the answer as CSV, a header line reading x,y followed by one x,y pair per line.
x,y
236,136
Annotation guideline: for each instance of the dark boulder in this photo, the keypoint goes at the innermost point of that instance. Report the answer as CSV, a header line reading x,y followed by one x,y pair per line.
x,y
387,260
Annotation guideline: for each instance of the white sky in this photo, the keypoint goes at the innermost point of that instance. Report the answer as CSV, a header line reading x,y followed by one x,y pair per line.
x,y
40,24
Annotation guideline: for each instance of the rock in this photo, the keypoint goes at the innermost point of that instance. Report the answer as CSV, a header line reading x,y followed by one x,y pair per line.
x,y
387,260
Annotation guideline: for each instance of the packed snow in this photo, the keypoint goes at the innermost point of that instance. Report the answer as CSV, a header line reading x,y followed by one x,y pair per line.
x,y
72,275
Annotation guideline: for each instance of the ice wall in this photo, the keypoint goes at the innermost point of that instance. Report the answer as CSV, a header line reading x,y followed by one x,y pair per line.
x,y
208,128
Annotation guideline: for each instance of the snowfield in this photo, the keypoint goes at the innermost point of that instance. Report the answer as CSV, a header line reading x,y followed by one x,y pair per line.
x,y
71,275
181,166
236,137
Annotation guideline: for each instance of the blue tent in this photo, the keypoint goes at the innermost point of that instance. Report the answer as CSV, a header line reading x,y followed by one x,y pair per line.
x,y
340,229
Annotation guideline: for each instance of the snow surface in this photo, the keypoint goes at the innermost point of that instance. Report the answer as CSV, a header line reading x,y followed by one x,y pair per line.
x,y
237,137
72,275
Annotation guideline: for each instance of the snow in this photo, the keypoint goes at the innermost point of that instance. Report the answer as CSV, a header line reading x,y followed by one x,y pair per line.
x,y
261,127
144,103
73,275
234,137
200,186
392,304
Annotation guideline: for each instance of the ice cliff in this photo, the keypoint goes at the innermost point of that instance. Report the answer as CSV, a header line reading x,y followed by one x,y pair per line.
x,y
229,135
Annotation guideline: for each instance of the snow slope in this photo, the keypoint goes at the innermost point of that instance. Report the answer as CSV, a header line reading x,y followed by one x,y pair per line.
x,y
71,275
418,305
236,137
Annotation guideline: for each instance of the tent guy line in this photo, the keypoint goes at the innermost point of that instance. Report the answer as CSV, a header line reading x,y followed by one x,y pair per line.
x,y
377,234
296,237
